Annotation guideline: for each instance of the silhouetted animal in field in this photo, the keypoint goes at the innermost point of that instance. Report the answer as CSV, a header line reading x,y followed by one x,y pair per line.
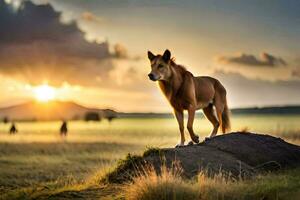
x,y
13,129
64,129
186,92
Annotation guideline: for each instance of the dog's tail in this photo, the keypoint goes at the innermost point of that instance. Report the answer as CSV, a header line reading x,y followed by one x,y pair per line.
x,y
225,118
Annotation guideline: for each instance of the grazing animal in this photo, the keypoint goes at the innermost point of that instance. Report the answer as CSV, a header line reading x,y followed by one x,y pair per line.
x,y
64,129
186,92
13,129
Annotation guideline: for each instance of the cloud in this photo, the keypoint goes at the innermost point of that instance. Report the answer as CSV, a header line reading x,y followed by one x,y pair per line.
x,y
90,17
36,46
242,91
120,51
265,59
296,73
266,67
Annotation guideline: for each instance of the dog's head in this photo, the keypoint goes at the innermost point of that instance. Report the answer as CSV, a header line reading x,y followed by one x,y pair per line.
x,y
160,66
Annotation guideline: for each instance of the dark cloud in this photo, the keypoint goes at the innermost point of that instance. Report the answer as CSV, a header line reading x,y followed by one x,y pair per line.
x,y
296,73
249,92
35,46
296,70
120,51
265,59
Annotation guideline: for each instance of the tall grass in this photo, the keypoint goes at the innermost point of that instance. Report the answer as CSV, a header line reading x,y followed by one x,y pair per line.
x,y
168,186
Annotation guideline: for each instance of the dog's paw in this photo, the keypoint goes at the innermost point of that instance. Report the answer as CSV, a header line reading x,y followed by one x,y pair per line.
x,y
207,139
190,143
179,145
196,139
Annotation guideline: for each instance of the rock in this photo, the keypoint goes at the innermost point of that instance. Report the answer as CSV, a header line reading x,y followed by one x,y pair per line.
x,y
236,155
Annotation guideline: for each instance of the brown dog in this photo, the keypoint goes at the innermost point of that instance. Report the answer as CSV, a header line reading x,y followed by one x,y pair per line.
x,y
186,92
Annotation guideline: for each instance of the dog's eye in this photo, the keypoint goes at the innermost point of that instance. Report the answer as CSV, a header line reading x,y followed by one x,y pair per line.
x,y
160,66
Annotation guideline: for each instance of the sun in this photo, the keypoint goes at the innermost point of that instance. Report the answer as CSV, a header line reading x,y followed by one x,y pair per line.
x,y
44,93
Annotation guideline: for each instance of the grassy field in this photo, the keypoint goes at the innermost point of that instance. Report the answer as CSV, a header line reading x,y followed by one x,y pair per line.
x,y
37,157
284,186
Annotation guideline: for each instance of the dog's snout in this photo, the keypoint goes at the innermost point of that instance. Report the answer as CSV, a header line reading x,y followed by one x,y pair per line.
x,y
151,76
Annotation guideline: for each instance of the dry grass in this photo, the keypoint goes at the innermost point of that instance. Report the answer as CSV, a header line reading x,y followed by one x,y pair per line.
x,y
36,161
169,185
166,186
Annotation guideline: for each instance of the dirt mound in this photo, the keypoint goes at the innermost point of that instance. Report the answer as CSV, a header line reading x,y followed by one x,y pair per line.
x,y
235,155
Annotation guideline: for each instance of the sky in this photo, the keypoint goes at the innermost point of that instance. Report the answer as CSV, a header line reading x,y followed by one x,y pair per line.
x,y
95,52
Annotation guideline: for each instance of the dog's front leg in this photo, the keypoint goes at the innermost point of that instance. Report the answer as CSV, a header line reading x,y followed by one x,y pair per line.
x,y
179,117
191,113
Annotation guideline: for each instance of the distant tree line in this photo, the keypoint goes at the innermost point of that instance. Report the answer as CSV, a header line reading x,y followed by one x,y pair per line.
x,y
5,120
96,116
110,115
92,116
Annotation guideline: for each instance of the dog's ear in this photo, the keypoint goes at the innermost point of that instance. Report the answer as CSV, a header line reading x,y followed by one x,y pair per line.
x,y
167,55
150,55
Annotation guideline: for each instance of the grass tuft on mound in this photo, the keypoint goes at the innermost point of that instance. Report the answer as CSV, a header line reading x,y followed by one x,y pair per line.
x,y
152,151
130,167
124,171
167,185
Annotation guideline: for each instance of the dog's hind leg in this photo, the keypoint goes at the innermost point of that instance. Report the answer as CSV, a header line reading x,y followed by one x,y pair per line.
x,y
179,117
210,115
219,104
191,113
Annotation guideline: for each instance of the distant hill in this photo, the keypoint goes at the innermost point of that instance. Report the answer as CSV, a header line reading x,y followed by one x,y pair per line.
x,y
60,110
54,110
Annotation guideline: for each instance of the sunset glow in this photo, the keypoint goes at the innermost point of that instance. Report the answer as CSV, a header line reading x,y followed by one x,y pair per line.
x,y
256,52
44,93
